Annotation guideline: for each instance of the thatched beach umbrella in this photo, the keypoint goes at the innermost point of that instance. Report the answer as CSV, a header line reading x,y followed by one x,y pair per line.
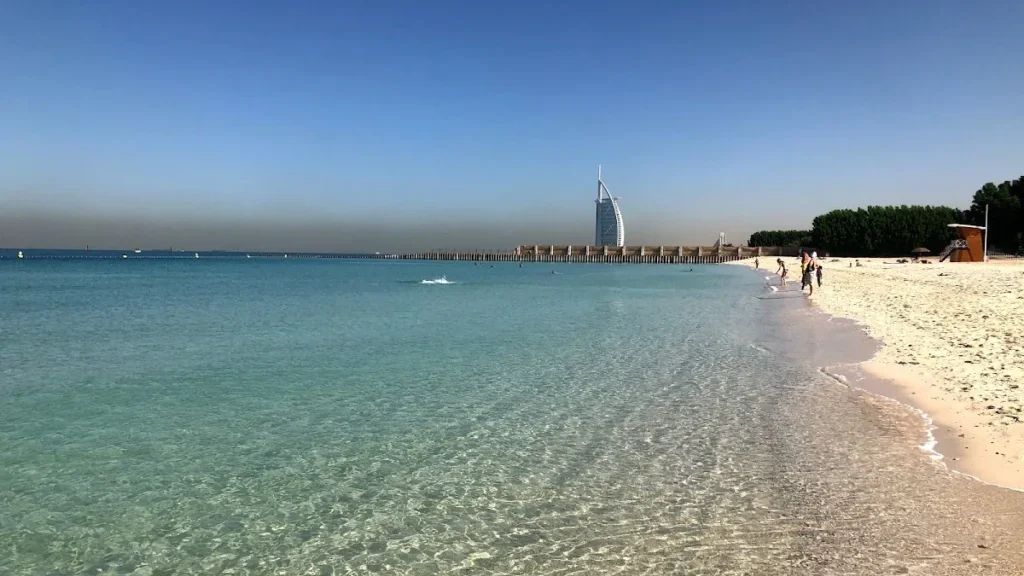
x,y
920,251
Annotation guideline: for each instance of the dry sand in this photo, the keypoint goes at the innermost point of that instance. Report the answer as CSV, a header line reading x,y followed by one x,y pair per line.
x,y
953,346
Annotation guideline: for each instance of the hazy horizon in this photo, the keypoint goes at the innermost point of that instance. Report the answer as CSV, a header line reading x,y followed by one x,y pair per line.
x,y
74,231
397,126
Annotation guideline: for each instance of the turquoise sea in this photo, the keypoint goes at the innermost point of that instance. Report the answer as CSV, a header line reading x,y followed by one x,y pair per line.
x,y
238,416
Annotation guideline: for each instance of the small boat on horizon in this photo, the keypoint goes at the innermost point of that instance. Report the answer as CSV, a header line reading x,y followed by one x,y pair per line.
x,y
21,256
137,251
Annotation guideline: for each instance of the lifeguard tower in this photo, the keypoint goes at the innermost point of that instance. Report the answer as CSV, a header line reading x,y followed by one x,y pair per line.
x,y
968,246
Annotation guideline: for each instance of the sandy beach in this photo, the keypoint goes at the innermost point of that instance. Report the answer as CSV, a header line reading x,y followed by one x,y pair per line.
x,y
952,345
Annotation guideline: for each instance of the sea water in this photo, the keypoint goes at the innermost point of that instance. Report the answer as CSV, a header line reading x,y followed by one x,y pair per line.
x,y
240,416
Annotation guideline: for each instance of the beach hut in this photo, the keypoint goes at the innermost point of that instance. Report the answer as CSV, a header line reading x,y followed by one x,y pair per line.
x,y
968,246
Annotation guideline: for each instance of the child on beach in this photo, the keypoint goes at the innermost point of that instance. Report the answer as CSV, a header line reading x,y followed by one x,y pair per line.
x,y
818,273
782,268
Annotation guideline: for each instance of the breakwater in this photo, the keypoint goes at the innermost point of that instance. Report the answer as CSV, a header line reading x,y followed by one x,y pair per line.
x,y
524,253
609,254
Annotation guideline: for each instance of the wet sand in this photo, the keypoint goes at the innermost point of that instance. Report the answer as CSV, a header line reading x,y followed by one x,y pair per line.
x,y
952,340
899,498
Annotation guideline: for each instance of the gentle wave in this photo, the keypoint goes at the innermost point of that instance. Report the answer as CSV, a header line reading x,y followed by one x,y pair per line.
x,y
441,280
841,379
930,445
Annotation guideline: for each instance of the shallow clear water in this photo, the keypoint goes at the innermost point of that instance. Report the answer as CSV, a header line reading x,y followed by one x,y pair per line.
x,y
326,417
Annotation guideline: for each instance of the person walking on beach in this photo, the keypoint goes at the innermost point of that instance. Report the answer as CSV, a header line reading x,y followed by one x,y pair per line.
x,y
816,267
757,263
781,271
806,264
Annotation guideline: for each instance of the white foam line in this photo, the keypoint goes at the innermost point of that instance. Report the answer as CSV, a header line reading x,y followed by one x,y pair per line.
x,y
931,443
838,378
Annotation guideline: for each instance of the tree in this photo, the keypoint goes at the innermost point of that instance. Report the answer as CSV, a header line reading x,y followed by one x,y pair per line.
x,y
884,230
896,230
1006,214
780,238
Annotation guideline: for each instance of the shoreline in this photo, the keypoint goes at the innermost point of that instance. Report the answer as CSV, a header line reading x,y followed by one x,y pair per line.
x,y
971,407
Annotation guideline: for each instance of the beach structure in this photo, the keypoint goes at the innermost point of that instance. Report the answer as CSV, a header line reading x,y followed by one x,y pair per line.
x,y
968,246
608,230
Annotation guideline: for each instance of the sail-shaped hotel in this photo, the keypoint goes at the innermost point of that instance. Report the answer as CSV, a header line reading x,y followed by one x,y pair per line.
x,y
608,229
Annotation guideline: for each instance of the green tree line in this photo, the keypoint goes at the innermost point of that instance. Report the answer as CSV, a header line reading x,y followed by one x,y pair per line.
x,y
896,230
1006,214
884,230
780,238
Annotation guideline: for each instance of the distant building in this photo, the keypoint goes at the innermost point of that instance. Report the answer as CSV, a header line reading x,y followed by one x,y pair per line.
x,y
608,230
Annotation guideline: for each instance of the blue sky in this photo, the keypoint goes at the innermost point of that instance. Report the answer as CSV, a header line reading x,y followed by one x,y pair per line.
x,y
706,116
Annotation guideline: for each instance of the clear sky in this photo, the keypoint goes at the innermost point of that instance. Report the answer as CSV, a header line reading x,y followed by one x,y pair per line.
x,y
348,125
